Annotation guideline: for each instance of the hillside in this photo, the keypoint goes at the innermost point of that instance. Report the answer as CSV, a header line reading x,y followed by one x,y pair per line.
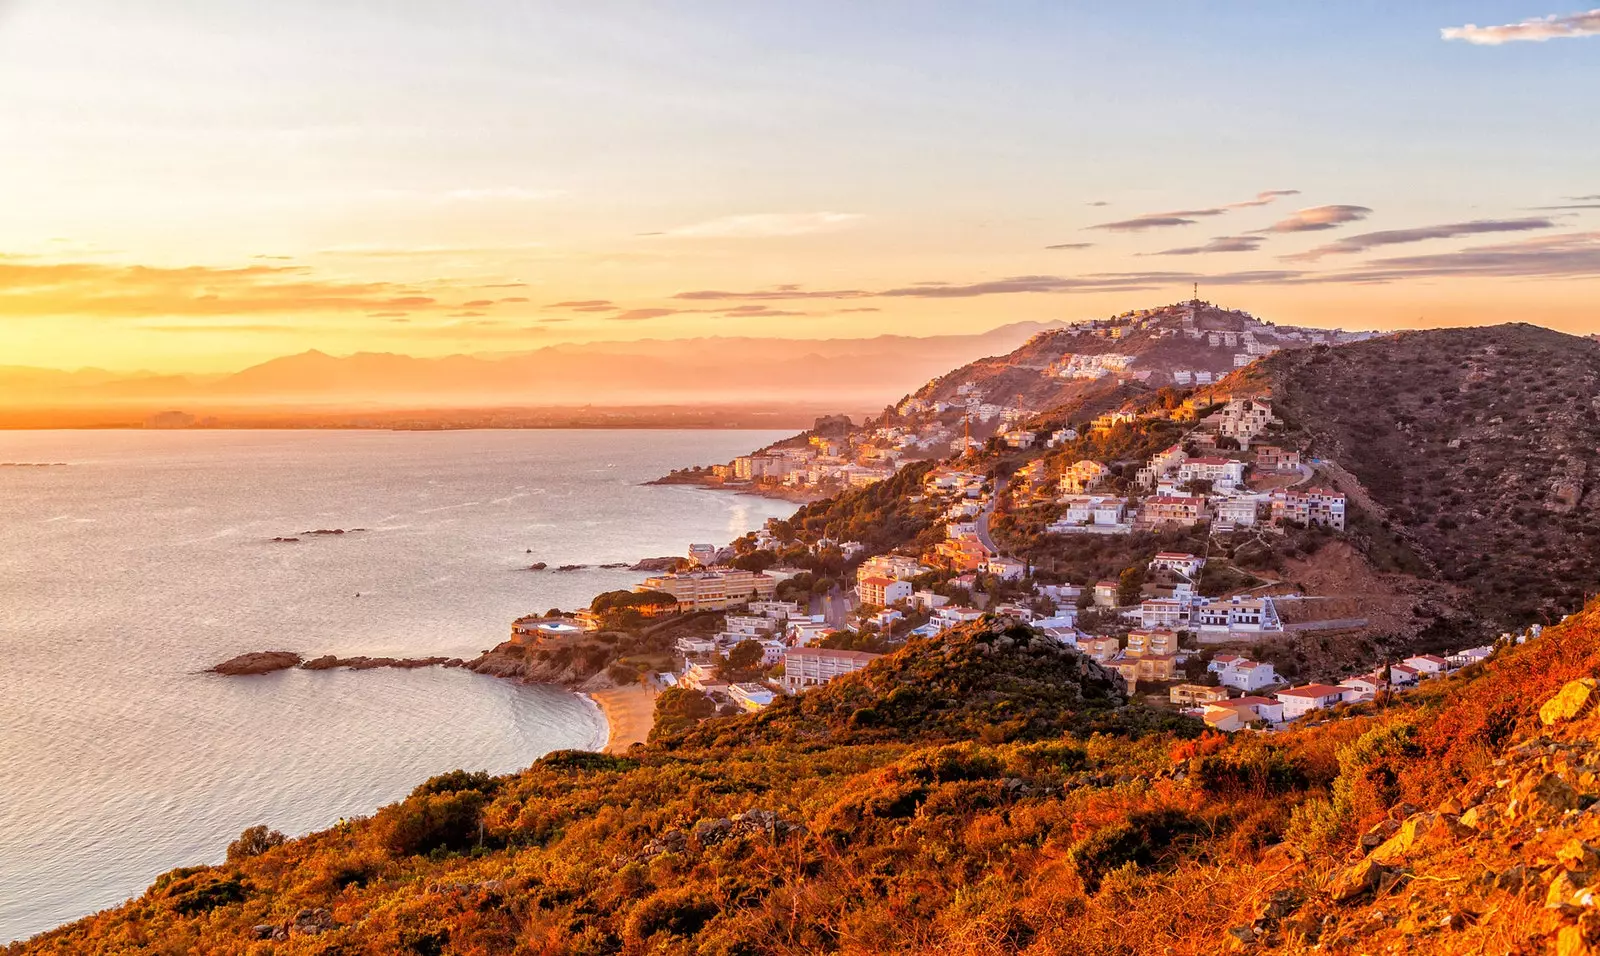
x,y
1004,683
1439,822
893,844
1479,447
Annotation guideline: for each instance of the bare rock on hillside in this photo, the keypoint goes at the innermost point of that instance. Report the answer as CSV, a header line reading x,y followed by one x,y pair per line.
x,y
1575,699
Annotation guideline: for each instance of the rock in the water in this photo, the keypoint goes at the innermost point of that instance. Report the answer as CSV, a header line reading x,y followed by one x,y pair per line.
x,y
258,662
1574,700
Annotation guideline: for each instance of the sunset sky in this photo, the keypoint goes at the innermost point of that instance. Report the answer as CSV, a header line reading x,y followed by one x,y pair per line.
x,y
202,184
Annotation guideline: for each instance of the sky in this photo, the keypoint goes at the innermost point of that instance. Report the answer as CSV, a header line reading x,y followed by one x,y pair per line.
x,y
196,185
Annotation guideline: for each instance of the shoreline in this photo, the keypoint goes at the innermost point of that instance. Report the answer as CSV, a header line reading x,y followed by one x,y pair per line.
x,y
775,494
629,713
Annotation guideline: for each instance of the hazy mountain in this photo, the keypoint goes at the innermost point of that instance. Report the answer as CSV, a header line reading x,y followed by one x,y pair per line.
x,y
848,372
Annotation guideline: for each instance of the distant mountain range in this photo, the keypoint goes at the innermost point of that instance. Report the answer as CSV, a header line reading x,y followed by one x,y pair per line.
x,y
845,373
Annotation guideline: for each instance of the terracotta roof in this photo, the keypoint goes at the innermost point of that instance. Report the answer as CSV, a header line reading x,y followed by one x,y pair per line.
x,y
1312,690
877,582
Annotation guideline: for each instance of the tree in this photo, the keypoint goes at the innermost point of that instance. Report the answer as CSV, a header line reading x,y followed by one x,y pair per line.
x,y
1128,585
679,709
746,655
254,841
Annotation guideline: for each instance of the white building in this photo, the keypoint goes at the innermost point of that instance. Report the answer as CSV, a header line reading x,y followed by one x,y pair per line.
x,y
1248,675
1299,701
1006,569
1093,514
883,592
1182,562
751,696
805,667
1234,617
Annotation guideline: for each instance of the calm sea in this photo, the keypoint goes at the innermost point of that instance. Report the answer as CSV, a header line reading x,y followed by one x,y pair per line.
x,y
148,558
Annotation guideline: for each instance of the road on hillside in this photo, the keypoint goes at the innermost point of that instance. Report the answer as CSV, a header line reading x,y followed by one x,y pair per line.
x,y
983,519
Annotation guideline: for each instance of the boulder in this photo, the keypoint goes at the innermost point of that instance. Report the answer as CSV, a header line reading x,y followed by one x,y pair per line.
x,y
1572,701
1418,829
312,922
1356,881
1578,855
1565,888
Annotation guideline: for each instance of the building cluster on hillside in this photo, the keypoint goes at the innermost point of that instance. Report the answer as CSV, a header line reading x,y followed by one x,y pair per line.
x,y
1183,490
1222,712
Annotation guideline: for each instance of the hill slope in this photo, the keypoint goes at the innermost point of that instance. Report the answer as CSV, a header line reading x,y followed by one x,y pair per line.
x,y
1479,446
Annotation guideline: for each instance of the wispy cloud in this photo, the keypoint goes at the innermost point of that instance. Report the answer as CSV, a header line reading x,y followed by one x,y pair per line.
x,y
1319,218
1565,256
133,291
585,305
1264,198
1011,285
1539,29
1156,221
765,225
1219,244
639,315
1186,217
1071,245
1352,245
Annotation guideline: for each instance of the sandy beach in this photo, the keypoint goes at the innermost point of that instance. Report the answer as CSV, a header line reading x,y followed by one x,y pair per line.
x,y
629,712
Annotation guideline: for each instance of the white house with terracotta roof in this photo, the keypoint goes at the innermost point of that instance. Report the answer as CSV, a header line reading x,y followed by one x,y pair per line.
x,y
1403,675
1182,562
1184,511
1361,687
1299,701
1263,708
1248,675
1006,569
883,591
1428,664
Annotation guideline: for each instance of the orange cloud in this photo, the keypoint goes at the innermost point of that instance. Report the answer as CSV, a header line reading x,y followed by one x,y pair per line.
x,y
32,288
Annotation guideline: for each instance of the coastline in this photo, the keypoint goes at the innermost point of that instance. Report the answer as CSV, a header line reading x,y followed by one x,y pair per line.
x,y
795,496
629,714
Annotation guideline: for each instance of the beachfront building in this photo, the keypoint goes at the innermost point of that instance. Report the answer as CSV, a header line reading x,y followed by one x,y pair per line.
x,y
714,590
805,667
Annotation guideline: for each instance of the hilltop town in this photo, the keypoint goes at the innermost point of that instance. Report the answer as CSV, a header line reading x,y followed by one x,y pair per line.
x,y
1090,366
1136,500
